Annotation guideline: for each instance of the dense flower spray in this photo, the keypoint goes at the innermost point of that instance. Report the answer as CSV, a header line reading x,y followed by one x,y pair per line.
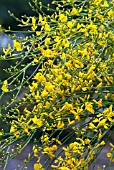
x,y
70,58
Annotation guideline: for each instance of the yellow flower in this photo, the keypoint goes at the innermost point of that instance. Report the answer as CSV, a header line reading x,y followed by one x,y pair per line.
x,y
44,93
38,166
49,53
39,77
17,45
65,43
100,134
50,62
100,144
26,22
111,13
47,27
67,106
7,51
5,82
97,2
109,155
60,124
78,64
50,151
12,129
38,33
47,41
76,114
37,121
103,123
33,20
54,148
101,18
64,168
63,18
57,39
43,22
40,17
35,60
92,27
34,27
45,139
70,24
106,4
99,103
4,86
33,87
36,96
68,64
87,141
49,87
91,69
80,25
74,11
89,107
112,145
70,122
92,126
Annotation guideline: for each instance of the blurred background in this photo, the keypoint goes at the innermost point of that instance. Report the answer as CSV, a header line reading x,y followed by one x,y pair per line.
x,y
19,8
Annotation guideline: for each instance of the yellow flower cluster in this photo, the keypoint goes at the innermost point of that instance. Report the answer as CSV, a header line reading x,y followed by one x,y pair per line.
x,y
71,81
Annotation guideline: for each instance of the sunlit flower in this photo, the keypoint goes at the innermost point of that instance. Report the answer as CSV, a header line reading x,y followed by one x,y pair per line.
x,y
4,86
63,18
38,166
17,46
89,107
44,93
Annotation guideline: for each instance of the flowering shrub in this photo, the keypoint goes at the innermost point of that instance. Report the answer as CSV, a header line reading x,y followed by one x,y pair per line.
x,y
70,85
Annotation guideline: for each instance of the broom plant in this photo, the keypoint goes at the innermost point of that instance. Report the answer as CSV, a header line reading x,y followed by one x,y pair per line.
x,y
64,67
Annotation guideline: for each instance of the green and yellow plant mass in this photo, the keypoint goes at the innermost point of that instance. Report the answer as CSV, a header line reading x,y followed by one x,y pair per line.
x,y
65,68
